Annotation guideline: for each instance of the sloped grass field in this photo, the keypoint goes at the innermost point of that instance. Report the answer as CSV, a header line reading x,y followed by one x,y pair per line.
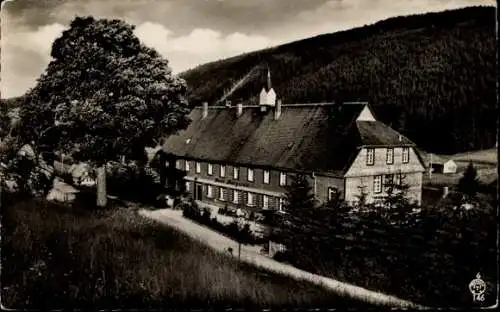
x,y
486,157
57,256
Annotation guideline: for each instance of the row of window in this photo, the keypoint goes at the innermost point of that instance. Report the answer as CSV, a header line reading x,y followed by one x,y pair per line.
x,y
389,156
236,172
236,198
388,180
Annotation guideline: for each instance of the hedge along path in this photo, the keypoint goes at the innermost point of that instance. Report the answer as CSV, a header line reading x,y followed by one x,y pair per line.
x,y
250,254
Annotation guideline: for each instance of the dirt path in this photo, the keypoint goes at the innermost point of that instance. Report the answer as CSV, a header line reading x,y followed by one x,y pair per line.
x,y
251,254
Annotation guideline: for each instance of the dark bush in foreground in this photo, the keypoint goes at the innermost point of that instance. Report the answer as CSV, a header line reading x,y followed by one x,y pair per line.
x,y
55,256
431,259
130,183
233,230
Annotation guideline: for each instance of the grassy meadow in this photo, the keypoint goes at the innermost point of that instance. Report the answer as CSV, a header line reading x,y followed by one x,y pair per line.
x,y
57,256
485,157
485,162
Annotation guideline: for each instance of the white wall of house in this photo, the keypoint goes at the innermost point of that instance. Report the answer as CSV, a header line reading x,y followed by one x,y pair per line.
x,y
362,175
450,167
355,185
366,115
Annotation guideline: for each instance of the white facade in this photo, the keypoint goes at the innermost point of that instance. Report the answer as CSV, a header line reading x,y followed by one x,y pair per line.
x,y
267,98
263,97
449,167
366,115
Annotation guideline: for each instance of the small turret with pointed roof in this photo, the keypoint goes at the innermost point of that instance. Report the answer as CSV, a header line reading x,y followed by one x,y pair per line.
x,y
267,96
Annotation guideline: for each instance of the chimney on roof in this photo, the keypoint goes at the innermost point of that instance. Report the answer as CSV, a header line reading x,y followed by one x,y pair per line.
x,y
400,138
277,110
205,110
239,109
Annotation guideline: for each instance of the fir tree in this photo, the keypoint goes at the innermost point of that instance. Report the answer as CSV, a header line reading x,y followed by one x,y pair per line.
x,y
469,183
396,202
296,230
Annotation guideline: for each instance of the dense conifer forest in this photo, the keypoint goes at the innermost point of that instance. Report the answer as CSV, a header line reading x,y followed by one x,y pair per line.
x,y
431,76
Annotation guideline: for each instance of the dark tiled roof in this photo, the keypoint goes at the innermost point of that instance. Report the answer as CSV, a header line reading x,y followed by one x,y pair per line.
x,y
321,138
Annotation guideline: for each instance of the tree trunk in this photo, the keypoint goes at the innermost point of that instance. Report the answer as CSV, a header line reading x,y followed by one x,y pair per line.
x,y
102,198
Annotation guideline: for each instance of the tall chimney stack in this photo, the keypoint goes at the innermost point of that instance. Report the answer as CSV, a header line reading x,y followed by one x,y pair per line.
x,y
205,110
277,110
239,109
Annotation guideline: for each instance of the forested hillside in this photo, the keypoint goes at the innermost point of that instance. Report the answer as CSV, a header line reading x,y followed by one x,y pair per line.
x,y
432,76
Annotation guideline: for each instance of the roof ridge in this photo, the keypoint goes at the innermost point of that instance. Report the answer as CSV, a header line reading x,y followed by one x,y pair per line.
x,y
294,104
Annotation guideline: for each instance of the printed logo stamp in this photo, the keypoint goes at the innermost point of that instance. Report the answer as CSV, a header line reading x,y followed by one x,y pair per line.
x,y
477,288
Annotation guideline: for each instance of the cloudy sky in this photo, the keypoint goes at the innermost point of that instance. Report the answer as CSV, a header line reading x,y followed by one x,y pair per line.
x,y
188,32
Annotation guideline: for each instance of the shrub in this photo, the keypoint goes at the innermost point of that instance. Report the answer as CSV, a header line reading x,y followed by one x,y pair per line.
x,y
246,234
128,182
223,210
252,217
206,215
233,228
190,211
283,256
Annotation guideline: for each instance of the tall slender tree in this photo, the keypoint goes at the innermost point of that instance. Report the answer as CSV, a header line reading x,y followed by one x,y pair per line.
x,y
104,95
396,202
296,229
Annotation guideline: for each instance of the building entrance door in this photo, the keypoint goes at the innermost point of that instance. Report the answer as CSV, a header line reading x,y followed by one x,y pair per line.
x,y
198,192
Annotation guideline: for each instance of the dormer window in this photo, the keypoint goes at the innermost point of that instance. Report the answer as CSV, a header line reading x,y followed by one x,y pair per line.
x,y
370,156
198,167
222,171
236,173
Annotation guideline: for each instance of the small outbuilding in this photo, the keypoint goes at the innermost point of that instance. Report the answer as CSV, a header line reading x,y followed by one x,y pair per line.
x,y
445,166
438,164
